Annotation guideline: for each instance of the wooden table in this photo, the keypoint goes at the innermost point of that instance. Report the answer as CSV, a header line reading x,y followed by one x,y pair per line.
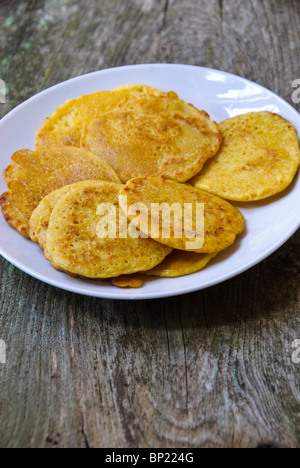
x,y
212,369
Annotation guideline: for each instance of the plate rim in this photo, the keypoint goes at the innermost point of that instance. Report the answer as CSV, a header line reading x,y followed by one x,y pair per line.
x,y
129,294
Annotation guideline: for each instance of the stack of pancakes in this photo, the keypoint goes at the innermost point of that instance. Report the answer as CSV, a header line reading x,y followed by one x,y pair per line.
x,y
148,147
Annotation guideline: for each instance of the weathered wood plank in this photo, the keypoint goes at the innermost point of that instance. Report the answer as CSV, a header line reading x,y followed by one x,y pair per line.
x,y
210,369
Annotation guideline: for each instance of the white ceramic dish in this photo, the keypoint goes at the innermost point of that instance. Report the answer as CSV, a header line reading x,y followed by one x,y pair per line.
x,y
269,224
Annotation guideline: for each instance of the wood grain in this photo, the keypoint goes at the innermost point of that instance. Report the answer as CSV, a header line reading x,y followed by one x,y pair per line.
x,y
212,369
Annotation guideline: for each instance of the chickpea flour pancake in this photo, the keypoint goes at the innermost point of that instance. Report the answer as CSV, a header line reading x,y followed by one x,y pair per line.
x,y
222,222
40,218
180,263
153,133
259,158
73,243
66,124
33,174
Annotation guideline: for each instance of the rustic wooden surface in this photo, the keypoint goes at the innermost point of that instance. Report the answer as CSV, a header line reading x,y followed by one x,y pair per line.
x,y
212,369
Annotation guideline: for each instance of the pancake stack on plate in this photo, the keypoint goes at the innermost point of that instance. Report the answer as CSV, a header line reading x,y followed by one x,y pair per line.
x,y
103,161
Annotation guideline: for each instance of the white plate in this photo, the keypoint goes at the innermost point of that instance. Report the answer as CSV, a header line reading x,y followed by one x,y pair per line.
x,y
269,224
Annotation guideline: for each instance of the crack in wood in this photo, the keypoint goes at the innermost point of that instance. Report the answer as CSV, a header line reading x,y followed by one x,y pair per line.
x,y
85,437
221,7
185,365
168,339
204,311
165,17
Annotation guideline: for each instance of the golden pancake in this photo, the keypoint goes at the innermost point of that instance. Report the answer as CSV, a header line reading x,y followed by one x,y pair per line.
x,y
153,133
34,174
40,218
259,158
130,281
180,263
79,243
149,202
66,124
